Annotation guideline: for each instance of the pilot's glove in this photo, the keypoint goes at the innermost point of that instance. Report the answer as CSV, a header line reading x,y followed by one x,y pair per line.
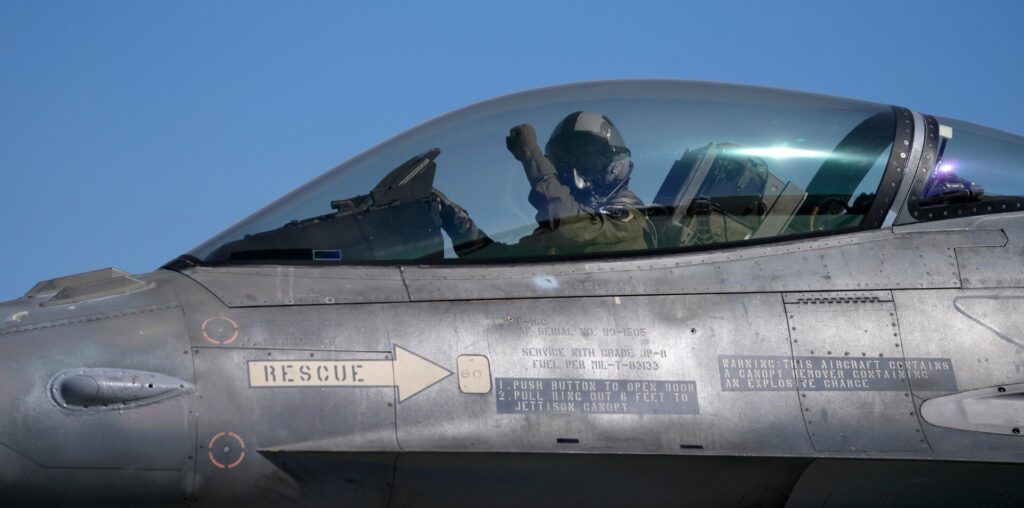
x,y
466,237
454,219
522,142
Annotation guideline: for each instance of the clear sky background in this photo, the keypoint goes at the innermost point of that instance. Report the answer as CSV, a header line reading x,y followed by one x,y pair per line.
x,y
132,131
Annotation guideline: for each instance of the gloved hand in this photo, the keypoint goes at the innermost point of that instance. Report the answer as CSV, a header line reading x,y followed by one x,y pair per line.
x,y
451,213
522,142
466,237
454,219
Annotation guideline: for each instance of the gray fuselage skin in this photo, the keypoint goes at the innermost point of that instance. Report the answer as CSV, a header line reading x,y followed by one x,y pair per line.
x,y
945,292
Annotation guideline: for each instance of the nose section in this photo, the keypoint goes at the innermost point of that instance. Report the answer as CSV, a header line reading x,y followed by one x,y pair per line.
x,y
96,388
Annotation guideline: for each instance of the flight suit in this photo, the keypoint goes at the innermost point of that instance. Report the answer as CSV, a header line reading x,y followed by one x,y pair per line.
x,y
565,226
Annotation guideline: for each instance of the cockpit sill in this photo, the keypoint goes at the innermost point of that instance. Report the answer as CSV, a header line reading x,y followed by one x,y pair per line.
x,y
187,261
883,259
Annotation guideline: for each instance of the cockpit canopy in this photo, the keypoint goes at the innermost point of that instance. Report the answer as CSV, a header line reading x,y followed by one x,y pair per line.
x,y
970,170
711,164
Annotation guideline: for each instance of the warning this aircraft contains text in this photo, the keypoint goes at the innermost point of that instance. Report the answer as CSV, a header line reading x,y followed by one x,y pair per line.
x,y
831,373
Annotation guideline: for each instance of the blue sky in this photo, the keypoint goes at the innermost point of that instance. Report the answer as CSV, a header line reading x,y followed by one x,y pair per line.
x,y
132,131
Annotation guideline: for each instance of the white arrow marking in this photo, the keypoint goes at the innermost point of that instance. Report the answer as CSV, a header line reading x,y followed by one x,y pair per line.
x,y
409,372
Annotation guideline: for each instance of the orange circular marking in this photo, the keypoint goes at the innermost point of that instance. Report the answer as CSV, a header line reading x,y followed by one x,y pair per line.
x,y
218,464
213,441
229,340
237,462
237,437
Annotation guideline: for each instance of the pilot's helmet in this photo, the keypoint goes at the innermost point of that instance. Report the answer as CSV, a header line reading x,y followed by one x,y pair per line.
x,y
589,153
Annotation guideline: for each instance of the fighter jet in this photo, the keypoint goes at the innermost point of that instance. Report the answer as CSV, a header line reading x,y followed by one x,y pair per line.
x,y
687,293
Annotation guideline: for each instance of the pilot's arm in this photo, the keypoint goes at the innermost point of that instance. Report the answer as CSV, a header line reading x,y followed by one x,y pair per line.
x,y
564,225
563,221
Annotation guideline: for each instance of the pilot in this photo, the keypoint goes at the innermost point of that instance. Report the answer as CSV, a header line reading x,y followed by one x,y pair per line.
x,y
579,187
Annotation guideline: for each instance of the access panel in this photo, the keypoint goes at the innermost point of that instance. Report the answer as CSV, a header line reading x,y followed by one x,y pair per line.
x,y
849,369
